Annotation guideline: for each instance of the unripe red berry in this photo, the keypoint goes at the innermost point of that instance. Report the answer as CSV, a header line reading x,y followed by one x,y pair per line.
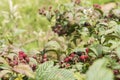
x,y
35,57
44,56
21,58
45,59
66,59
27,59
72,54
86,56
70,58
34,67
97,6
87,50
22,55
21,52
110,15
116,72
67,65
82,57
15,62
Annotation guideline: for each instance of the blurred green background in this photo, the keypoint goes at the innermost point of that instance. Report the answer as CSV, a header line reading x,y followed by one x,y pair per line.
x,y
21,24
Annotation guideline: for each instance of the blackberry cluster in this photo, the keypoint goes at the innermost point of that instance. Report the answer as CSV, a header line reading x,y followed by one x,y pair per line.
x,y
75,57
21,58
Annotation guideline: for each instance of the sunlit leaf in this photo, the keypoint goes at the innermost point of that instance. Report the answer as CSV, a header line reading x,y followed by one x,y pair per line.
x,y
118,51
52,45
11,55
97,49
24,69
79,76
3,61
4,72
47,71
99,71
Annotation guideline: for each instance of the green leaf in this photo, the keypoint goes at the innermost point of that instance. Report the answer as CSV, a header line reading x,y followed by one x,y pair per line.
x,y
97,49
5,66
102,39
32,61
116,66
94,51
99,71
109,31
52,45
18,31
118,30
114,43
47,71
79,76
118,52
78,66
